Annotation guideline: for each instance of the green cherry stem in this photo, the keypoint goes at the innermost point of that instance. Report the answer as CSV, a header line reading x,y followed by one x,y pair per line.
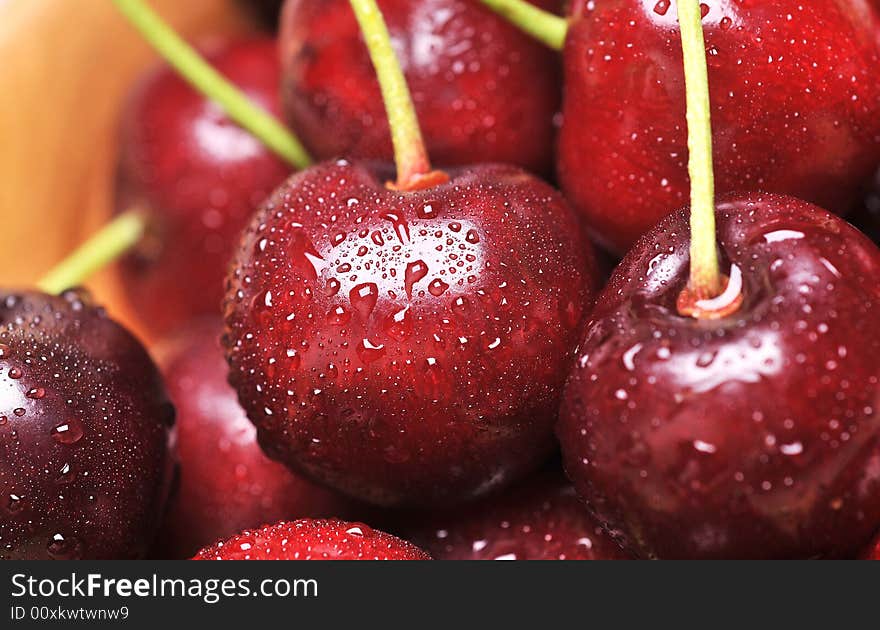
x,y
410,156
705,277
212,84
113,240
542,25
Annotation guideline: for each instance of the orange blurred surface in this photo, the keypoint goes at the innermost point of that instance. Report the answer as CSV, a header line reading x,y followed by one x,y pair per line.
x,y
67,66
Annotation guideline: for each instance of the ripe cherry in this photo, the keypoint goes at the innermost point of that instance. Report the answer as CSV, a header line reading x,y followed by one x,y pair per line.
x,y
226,483
542,519
756,434
199,177
407,347
84,428
406,343
483,91
309,539
795,106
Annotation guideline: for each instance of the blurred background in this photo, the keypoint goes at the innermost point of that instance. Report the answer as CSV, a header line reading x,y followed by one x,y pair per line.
x,y
66,68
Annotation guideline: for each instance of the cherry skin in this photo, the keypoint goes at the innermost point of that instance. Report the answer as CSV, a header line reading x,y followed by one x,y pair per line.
x,y
226,483
309,539
756,435
407,348
483,91
795,106
200,177
542,519
84,432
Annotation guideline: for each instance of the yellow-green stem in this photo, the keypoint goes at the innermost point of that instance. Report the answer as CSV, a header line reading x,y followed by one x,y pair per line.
x,y
410,155
542,25
212,84
705,278
113,240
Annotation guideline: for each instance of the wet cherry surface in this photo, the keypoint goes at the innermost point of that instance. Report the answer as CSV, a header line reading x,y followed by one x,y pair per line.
x,y
226,483
483,90
407,348
542,519
199,176
795,106
84,426
757,435
309,539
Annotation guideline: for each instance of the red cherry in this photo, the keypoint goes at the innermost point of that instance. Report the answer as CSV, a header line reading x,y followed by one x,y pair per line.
x,y
227,484
539,520
795,106
84,427
407,347
754,435
309,539
483,91
200,177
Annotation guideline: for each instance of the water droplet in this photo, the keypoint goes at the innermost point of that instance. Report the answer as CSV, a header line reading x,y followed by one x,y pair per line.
x,y
472,237
415,271
399,325
19,412
338,316
15,373
36,393
363,298
369,352
332,287
69,432
64,548
437,287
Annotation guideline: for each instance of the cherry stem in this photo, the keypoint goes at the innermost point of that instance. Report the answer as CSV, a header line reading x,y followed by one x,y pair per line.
x,y
542,25
410,156
705,277
113,240
212,84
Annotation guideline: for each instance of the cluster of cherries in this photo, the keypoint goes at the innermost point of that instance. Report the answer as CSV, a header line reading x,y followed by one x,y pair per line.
x,y
412,347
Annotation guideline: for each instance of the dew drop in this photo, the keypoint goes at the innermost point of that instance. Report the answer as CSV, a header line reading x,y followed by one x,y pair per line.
x,y
69,432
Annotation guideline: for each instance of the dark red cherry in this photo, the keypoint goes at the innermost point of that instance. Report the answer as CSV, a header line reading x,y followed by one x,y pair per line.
x,y
407,347
483,91
542,519
226,482
756,435
200,177
84,428
309,539
795,106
